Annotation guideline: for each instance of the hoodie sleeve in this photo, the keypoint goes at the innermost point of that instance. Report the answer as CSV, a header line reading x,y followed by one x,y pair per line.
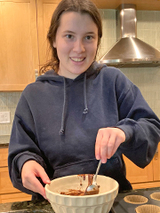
x,y
23,144
139,122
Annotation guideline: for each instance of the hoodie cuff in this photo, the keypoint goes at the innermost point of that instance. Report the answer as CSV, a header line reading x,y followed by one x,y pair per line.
x,y
22,159
129,132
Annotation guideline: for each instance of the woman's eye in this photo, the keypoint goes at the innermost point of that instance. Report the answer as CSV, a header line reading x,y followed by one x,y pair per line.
x,y
69,36
89,37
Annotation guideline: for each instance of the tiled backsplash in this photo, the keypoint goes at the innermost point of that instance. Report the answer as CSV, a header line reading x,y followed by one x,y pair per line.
x,y
148,30
147,79
8,102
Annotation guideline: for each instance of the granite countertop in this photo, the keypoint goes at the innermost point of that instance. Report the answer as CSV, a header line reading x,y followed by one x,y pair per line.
x,y
43,206
26,207
4,145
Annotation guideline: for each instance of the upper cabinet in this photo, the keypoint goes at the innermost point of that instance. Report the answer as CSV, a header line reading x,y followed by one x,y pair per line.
x,y
45,9
18,44
23,31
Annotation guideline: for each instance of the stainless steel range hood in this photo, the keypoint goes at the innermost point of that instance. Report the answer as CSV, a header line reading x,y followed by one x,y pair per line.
x,y
129,51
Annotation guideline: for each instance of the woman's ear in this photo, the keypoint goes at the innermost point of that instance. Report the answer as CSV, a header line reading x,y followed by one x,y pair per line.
x,y
54,44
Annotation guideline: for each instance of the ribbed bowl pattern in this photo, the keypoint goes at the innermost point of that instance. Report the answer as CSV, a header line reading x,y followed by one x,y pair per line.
x,y
99,203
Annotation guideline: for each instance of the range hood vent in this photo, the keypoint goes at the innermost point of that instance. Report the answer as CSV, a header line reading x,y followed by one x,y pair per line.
x,y
129,51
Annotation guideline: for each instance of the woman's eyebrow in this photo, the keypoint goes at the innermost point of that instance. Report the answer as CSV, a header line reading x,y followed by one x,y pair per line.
x,y
72,32
68,31
91,33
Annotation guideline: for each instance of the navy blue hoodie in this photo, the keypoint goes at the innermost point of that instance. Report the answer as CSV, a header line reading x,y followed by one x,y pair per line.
x,y
57,120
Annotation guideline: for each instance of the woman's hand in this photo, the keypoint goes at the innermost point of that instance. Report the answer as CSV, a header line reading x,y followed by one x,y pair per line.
x,y
107,142
31,170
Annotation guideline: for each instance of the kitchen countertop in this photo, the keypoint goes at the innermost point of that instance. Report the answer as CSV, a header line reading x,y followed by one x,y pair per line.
x,y
44,206
26,207
4,145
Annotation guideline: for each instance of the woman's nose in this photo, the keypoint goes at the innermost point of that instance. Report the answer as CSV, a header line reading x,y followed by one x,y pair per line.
x,y
79,46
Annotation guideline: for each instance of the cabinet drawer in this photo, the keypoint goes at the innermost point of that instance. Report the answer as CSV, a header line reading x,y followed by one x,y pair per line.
x,y
14,197
3,157
5,182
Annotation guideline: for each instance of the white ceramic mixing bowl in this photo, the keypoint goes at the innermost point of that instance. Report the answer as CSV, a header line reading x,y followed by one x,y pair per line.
x,y
98,203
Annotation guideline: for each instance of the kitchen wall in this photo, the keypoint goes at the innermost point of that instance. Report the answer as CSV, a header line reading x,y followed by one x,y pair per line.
x,y
147,79
148,30
8,102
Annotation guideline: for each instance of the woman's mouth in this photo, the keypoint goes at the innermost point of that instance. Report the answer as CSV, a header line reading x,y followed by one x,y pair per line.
x,y
77,59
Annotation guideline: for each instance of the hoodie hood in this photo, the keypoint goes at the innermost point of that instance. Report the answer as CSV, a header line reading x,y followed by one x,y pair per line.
x,y
53,76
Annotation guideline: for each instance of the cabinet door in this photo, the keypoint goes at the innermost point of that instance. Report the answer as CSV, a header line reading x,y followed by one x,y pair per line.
x,y
138,175
7,192
3,157
45,9
156,164
5,182
18,44
14,197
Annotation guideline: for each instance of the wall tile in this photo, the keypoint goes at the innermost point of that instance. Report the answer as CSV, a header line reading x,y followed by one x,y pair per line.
x,y
148,29
8,102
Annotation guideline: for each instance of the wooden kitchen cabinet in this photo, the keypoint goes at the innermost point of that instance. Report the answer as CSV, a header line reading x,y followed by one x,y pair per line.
x,y
45,9
147,177
7,192
18,44
23,30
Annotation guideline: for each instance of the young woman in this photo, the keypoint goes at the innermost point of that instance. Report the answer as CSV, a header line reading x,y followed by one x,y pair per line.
x,y
79,111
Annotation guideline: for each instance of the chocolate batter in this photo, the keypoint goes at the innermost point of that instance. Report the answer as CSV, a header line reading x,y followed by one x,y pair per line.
x,y
76,192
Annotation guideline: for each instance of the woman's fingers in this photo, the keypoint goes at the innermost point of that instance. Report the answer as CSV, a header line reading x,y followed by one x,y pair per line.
x,y
31,171
107,142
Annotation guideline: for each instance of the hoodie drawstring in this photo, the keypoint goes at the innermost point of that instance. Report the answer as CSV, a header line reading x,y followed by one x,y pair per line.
x,y
85,111
61,132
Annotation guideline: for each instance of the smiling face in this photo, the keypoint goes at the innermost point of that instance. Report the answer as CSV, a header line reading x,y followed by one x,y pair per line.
x,y
76,43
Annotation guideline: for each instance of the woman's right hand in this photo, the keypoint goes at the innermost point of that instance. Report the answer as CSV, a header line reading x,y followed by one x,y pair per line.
x,y
31,170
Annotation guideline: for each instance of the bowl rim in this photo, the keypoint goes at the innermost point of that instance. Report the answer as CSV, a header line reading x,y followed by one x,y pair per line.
x,y
82,197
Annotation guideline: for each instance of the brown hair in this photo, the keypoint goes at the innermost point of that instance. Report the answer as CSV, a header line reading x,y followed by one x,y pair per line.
x,y
81,6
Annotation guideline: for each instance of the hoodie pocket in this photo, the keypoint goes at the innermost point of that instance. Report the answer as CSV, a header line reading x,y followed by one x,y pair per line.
x,y
89,166
80,167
